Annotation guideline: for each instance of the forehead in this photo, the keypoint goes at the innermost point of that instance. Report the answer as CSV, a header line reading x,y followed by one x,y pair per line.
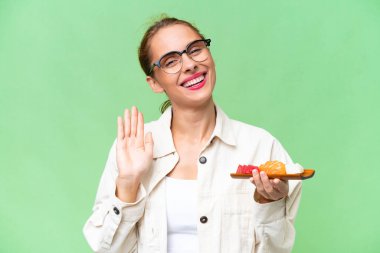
x,y
171,38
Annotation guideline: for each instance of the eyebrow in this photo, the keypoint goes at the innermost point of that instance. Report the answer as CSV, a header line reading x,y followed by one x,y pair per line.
x,y
185,47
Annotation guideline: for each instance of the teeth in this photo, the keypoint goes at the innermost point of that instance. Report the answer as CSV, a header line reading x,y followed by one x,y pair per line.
x,y
194,81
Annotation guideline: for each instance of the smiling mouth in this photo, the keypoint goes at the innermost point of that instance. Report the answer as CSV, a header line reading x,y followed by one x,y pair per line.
x,y
194,81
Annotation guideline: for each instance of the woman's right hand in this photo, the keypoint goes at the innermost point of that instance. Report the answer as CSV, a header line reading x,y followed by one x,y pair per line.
x,y
134,154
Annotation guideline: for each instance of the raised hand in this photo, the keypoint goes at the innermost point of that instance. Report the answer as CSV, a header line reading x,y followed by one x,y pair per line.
x,y
134,154
268,190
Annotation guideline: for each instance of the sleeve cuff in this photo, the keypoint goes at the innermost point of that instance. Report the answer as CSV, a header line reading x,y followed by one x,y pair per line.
x,y
129,211
269,212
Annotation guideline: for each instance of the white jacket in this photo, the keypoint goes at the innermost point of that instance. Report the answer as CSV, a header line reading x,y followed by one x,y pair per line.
x,y
230,220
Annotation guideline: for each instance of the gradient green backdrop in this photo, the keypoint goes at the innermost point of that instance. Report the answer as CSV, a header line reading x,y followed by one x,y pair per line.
x,y
307,71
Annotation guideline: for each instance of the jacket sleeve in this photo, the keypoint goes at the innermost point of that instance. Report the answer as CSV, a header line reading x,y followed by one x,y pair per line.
x,y
274,225
112,225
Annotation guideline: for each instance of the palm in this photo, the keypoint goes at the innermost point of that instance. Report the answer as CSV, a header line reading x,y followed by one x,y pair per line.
x,y
134,155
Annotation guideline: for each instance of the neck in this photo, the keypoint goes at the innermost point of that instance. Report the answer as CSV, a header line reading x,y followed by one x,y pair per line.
x,y
194,125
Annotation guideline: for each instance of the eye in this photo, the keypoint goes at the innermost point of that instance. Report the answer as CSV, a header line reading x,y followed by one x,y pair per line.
x,y
195,50
170,62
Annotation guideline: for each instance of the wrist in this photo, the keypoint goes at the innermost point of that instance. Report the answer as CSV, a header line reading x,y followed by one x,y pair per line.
x,y
129,180
261,199
127,188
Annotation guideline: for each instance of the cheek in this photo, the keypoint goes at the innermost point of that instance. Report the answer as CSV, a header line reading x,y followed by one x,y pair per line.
x,y
211,66
211,61
167,81
212,70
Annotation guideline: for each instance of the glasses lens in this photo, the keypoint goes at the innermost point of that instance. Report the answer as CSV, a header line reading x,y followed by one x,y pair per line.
x,y
171,63
197,51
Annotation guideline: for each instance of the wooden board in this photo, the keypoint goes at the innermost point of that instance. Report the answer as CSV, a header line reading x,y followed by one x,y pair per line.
x,y
307,173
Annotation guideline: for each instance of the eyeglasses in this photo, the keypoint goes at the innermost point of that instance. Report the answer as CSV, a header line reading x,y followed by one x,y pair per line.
x,y
171,62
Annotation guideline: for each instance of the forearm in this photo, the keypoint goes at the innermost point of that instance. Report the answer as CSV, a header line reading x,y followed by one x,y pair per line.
x,y
275,237
127,188
112,224
274,226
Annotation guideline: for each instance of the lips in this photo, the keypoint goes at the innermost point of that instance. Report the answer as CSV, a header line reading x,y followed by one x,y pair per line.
x,y
195,81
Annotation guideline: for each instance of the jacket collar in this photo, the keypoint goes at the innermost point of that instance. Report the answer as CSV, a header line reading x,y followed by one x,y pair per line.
x,y
224,128
163,140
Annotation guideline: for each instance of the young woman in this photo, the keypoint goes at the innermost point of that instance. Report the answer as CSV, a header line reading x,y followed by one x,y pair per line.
x,y
170,190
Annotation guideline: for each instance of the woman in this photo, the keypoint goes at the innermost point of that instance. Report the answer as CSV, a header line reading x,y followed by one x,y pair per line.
x,y
170,190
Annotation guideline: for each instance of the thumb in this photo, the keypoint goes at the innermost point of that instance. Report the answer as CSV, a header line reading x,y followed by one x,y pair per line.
x,y
149,143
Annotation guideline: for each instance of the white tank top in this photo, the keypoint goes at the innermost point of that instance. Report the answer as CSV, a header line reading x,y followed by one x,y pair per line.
x,y
181,212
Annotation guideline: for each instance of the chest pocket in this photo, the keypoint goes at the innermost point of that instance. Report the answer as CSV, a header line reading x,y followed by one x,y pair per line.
x,y
237,219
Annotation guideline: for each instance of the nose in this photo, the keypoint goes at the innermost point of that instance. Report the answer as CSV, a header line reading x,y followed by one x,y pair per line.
x,y
188,64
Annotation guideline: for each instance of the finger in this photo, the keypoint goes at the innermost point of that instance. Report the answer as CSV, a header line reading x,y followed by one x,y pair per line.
x,y
149,144
255,177
127,123
256,180
254,174
140,131
134,121
266,183
259,184
281,186
120,129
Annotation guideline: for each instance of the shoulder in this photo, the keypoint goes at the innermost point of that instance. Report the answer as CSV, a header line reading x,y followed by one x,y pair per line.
x,y
163,122
152,125
262,143
238,131
244,130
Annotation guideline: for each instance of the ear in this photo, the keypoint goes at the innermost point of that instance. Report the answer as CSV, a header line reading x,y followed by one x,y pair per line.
x,y
154,85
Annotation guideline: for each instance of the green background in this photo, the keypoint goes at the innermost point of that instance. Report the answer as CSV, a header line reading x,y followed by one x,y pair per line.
x,y
307,71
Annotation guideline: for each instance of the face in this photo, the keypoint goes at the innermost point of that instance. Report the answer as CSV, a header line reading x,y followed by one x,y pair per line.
x,y
193,84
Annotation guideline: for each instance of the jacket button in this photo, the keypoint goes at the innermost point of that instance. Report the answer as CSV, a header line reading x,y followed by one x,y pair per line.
x,y
202,160
203,219
116,211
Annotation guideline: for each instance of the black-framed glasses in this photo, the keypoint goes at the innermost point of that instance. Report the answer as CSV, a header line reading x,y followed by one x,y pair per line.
x,y
171,62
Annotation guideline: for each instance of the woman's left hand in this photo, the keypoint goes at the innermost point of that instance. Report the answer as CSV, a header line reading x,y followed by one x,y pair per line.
x,y
268,190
